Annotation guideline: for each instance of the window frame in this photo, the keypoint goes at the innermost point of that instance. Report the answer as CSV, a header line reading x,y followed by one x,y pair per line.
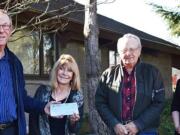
x,y
41,74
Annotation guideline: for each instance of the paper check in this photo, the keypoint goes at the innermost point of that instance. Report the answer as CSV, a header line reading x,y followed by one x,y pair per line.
x,y
57,109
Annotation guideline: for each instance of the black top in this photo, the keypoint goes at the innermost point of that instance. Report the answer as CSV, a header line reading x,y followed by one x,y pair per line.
x,y
39,122
57,125
176,98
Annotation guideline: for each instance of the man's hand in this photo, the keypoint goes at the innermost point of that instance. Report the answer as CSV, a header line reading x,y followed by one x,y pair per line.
x,y
178,129
131,128
120,129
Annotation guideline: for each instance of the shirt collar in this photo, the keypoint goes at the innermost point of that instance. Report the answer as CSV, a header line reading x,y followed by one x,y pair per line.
x,y
5,57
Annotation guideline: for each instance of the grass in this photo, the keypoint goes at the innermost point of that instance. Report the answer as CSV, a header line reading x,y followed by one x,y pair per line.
x,y
166,124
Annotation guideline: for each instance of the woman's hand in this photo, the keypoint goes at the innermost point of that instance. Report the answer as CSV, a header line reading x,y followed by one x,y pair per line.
x,y
73,118
178,130
47,107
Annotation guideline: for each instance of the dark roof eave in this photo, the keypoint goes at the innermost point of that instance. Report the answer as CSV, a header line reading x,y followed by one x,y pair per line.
x,y
118,28
108,26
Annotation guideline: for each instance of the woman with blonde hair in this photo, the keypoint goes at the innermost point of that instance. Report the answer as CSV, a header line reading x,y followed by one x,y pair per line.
x,y
64,88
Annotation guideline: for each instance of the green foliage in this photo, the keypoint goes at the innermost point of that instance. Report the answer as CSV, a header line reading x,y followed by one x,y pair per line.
x,y
171,16
85,126
166,124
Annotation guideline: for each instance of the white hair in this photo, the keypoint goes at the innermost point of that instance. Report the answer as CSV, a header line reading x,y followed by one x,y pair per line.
x,y
128,36
4,12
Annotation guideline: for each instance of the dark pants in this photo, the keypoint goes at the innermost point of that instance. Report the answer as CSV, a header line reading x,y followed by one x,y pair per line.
x,y
148,133
9,131
176,133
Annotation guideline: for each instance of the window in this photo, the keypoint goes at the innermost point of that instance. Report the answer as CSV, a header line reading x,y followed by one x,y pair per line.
x,y
113,57
48,54
37,56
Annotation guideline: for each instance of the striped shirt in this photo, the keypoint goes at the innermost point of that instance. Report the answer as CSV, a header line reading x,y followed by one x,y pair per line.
x,y
7,98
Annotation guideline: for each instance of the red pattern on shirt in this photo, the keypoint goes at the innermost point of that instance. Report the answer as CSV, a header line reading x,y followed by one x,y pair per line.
x,y
128,96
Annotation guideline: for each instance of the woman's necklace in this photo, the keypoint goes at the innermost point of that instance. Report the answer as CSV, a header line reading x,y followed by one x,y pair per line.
x,y
59,97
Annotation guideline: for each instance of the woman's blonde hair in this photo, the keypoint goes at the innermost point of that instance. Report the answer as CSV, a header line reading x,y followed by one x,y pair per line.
x,y
69,61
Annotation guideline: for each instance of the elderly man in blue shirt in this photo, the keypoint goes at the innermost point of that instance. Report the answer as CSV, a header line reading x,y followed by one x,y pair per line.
x,y
13,97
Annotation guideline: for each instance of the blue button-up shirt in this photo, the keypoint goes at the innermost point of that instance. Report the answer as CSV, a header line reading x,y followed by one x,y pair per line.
x,y
7,98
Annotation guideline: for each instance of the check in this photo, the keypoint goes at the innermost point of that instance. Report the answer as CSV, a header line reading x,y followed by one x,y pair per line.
x,y
57,109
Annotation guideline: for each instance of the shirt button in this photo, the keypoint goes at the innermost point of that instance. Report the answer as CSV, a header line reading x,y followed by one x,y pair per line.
x,y
128,99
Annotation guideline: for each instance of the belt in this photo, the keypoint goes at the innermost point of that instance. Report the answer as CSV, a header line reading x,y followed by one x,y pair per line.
x,y
126,122
6,125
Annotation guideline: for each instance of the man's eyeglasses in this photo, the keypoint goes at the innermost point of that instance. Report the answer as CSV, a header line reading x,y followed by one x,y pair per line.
x,y
131,50
5,26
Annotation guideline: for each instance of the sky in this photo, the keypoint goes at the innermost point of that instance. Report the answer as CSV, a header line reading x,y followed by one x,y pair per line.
x,y
138,14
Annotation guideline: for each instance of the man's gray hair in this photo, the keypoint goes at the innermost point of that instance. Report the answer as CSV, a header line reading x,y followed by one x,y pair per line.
x,y
2,11
128,36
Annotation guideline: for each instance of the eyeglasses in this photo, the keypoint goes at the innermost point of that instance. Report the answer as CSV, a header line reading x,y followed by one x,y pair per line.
x,y
131,50
5,26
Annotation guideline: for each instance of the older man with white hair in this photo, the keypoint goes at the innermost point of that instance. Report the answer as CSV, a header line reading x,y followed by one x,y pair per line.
x,y
13,96
130,96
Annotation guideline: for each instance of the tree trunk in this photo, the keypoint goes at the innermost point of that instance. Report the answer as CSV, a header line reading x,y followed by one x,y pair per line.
x,y
92,52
